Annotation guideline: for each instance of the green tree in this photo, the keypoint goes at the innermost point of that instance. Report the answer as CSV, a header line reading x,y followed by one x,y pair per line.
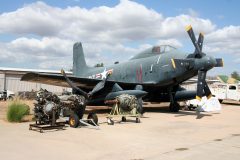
x,y
235,75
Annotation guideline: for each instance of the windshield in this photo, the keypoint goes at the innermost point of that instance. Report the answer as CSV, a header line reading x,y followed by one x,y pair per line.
x,y
168,48
162,49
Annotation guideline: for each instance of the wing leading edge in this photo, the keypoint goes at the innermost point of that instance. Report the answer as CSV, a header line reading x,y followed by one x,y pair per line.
x,y
59,80
83,83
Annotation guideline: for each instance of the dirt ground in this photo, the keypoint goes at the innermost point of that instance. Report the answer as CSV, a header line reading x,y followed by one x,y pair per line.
x,y
160,135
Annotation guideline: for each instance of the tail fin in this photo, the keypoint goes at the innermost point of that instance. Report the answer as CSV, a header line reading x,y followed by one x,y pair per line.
x,y
79,63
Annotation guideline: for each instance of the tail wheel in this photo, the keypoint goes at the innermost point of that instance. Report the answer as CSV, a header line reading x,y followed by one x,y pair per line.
x,y
93,117
74,120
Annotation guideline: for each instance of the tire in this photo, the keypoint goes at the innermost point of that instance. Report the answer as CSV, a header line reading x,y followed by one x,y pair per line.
x,y
138,120
94,117
174,107
74,120
220,100
124,119
110,122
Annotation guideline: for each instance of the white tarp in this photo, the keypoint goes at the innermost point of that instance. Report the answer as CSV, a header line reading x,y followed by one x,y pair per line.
x,y
211,104
206,105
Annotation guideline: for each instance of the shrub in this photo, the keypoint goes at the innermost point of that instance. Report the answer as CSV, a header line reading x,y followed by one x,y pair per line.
x,y
16,111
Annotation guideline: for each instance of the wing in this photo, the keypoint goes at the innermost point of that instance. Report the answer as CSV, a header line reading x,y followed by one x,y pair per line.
x,y
83,83
59,80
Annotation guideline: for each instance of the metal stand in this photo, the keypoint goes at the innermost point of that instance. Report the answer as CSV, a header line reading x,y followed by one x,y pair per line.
x,y
89,123
41,128
53,125
119,112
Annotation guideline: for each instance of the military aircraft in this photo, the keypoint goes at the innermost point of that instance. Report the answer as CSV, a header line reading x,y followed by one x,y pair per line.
x,y
154,75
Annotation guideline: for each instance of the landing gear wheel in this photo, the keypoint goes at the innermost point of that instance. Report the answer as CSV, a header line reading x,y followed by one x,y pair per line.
x,y
124,119
93,117
220,100
138,120
174,107
110,121
74,120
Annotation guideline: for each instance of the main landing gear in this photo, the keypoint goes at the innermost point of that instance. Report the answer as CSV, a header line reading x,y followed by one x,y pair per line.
x,y
174,105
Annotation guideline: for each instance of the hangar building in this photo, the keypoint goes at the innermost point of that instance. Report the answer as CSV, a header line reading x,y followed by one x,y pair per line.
x,y
10,80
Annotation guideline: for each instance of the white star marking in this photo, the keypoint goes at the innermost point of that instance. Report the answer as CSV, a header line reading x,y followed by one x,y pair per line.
x,y
104,74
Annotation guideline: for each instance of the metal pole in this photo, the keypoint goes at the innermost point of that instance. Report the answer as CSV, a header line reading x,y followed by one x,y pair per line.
x,y
5,81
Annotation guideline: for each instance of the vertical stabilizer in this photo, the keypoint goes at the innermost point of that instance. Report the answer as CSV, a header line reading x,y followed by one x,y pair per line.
x,y
79,63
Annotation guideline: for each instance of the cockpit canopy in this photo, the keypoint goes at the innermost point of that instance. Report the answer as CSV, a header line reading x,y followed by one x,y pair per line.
x,y
153,51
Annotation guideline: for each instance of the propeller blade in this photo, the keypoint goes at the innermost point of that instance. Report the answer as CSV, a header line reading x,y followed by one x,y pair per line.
x,y
219,62
200,84
207,91
99,86
202,87
71,84
197,44
200,41
193,38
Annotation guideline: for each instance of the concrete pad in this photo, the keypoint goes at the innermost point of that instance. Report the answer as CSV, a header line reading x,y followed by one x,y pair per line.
x,y
161,135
